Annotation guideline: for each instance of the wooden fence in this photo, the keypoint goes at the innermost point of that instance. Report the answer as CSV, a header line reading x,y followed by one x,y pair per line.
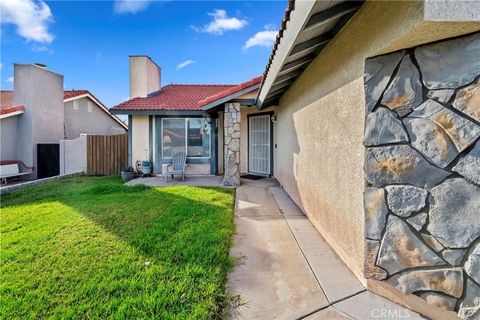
x,y
106,155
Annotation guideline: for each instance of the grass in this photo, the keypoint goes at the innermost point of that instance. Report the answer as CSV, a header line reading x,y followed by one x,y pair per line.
x,y
80,249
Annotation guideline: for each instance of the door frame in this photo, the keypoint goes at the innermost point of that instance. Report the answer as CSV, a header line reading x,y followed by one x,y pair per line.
x,y
270,113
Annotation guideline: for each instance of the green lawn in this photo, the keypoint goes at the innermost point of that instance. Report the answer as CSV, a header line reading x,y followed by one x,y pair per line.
x,y
78,248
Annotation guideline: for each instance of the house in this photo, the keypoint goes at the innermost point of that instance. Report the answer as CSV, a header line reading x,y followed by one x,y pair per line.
x,y
368,116
85,114
200,120
39,111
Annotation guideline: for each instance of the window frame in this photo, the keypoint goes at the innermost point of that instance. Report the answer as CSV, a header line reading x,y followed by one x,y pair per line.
x,y
76,105
89,106
186,137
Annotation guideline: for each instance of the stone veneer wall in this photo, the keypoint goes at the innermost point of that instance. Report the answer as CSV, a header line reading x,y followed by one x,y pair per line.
x,y
422,167
231,130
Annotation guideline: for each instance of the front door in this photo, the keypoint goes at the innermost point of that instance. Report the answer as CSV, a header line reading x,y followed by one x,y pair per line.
x,y
259,144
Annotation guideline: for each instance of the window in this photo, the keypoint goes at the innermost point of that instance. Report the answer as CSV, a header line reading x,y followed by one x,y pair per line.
x,y
173,137
89,106
198,138
75,105
190,135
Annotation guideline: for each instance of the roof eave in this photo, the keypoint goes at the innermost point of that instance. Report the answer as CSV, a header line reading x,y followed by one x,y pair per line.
x,y
11,114
158,112
209,106
294,52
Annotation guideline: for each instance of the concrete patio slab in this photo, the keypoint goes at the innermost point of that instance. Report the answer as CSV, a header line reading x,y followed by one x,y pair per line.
x,y
286,269
334,276
194,181
254,198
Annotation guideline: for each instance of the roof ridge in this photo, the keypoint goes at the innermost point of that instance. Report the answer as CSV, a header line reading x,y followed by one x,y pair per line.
x,y
198,84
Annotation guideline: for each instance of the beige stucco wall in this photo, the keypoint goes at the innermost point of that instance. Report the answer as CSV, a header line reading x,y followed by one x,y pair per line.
x,y
139,139
145,76
244,112
320,122
249,95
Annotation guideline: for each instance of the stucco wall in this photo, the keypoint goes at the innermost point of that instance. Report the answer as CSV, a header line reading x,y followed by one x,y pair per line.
x,y
320,122
95,122
73,155
140,148
145,76
40,91
8,138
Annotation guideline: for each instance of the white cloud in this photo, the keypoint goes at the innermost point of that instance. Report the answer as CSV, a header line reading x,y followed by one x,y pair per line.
x,y
30,17
10,79
265,38
130,6
36,48
221,23
185,63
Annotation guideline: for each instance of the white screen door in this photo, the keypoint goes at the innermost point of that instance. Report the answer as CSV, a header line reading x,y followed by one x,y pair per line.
x,y
259,144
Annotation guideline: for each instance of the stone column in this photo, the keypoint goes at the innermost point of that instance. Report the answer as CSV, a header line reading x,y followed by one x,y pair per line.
x,y
231,129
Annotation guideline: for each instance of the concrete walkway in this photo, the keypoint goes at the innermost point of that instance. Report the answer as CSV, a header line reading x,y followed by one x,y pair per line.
x,y
286,270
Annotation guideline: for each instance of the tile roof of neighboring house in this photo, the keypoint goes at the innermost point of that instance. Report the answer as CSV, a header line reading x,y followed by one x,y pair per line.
x,y
230,91
7,102
6,98
174,97
67,94
11,109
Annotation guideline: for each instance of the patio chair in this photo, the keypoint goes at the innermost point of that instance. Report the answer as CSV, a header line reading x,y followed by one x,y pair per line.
x,y
177,166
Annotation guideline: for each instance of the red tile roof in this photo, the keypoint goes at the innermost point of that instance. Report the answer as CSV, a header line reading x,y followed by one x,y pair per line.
x,y
6,98
6,103
283,27
67,94
230,91
174,97
7,110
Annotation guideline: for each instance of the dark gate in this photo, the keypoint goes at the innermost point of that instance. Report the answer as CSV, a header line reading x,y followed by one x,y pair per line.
x,y
48,160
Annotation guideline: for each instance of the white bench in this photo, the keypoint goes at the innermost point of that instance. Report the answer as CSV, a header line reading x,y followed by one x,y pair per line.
x,y
13,168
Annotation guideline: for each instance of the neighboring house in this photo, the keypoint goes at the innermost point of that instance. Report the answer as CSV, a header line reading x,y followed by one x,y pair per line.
x,y
374,112
85,114
39,111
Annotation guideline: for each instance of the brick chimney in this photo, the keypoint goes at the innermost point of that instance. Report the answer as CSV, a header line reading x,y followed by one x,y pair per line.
x,y
145,76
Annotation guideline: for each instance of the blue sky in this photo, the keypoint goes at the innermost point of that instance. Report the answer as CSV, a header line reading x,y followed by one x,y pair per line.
x,y
89,41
